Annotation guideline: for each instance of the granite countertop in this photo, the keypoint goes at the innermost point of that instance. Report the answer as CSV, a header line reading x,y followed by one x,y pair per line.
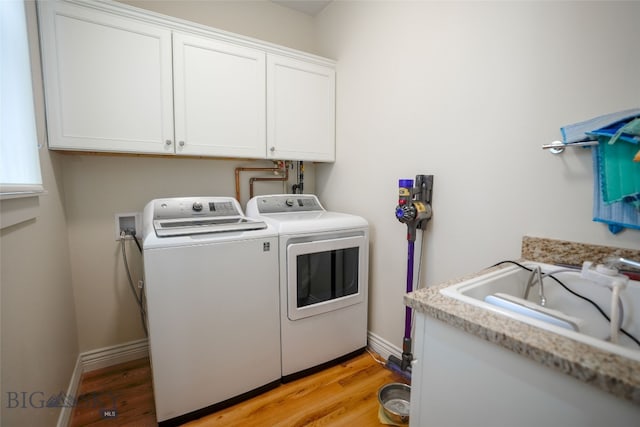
x,y
610,372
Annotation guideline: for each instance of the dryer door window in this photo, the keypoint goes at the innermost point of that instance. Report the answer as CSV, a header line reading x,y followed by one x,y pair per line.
x,y
324,275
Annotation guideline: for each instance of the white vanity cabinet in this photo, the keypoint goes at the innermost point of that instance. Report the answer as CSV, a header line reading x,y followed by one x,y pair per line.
x,y
300,110
219,97
460,379
120,79
107,81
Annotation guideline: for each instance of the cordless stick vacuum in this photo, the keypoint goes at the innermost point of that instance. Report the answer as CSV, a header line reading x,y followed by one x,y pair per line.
x,y
414,209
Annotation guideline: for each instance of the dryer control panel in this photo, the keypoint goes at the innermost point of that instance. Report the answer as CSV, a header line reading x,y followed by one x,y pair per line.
x,y
285,203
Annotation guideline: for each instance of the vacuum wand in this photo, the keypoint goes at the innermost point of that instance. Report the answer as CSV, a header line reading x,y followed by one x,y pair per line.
x,y
407,355
414,210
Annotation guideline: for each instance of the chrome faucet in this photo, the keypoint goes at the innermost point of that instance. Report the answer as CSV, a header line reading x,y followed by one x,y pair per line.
x,y
614,262
535,276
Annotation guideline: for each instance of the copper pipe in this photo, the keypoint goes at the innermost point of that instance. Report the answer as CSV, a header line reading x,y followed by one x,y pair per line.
x,y
238,170
283,179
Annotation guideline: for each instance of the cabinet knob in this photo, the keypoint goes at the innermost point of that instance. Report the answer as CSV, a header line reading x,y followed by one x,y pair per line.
x,y
181,143
272,149
167,142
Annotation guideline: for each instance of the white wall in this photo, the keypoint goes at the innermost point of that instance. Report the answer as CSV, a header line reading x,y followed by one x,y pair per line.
x,y
468,92
39,340
99,186
260,19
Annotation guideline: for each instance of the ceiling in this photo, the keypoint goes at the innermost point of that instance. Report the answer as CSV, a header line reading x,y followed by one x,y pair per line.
x,y
309,7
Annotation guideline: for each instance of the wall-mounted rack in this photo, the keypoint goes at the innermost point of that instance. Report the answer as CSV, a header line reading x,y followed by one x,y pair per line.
x,y
557,147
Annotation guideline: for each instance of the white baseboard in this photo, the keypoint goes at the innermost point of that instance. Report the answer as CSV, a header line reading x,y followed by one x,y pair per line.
x,y
381,346
98,359
65,413
109,356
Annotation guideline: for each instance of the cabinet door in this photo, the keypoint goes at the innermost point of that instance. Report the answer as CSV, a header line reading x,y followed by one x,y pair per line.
x,y
107,81
300,110
219,95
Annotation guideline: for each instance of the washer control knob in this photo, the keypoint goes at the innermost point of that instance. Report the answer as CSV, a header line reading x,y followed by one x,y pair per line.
x,y
289,202
197,206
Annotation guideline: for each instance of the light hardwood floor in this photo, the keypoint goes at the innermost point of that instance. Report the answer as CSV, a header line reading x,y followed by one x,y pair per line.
x,y
343,395
126,388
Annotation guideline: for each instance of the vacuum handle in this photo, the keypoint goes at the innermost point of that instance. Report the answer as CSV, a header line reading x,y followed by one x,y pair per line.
x,y
424,188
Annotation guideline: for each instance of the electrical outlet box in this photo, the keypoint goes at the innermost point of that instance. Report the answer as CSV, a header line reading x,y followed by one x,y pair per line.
x,y
128,222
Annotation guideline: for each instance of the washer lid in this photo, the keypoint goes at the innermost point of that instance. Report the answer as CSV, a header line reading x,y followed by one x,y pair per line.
x,y
184,216
184,227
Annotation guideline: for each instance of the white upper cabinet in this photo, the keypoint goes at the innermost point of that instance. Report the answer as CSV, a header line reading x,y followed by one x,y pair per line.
x,y
219,97
300,110
107,81
121,79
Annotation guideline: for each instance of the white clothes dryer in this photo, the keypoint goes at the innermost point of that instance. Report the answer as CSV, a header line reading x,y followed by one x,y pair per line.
x,y
324,264
211,283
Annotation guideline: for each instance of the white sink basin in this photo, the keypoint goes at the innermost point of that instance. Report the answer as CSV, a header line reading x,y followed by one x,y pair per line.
x,y
593,328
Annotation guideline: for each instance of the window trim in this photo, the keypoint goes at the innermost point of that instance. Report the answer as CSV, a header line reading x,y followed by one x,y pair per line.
x,y
10,195
21,203
18,210
18,190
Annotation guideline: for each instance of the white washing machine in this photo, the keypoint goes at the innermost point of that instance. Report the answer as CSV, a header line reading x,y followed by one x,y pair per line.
x,y
324,264
211,282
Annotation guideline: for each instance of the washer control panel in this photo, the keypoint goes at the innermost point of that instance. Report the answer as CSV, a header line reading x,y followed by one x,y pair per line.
x,y
188,207
188,216
287,203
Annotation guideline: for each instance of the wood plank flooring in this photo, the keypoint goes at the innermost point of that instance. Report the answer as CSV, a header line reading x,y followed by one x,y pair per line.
x,y
125,388
343,395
